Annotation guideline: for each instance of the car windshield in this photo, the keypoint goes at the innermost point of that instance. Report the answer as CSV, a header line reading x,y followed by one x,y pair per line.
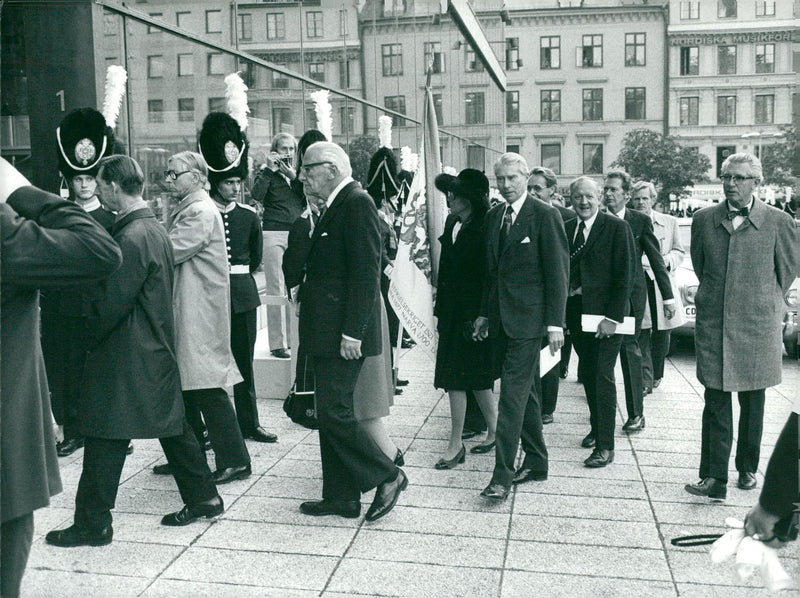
x,y
685,232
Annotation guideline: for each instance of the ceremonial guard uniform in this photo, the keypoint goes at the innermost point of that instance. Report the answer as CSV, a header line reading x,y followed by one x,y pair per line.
x,y
83,138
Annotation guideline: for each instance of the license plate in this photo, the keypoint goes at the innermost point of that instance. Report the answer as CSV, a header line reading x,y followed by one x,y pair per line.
x,y
691,310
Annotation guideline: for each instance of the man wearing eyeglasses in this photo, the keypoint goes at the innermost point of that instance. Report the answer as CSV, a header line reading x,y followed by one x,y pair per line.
x,y
745,256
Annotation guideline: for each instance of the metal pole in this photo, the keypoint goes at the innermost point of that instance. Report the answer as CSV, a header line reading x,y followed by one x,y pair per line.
x,y
128,116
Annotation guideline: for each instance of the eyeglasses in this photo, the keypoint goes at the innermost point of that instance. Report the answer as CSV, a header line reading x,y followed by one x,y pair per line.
x,y
536,188
306,167
171,175
738,179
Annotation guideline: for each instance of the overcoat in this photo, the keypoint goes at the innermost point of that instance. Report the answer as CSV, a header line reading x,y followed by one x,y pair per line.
x,y
44,241
131,385
665,228
201,297
743,275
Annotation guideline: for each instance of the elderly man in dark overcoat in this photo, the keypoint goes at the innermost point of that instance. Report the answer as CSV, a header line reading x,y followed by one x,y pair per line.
x,y
131,380
44,241
746,255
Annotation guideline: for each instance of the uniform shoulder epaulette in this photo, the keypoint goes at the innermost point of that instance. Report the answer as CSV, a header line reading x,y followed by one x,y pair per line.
x,y
246,206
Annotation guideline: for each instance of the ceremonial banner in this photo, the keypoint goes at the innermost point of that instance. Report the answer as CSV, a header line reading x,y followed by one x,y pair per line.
x,y
413,277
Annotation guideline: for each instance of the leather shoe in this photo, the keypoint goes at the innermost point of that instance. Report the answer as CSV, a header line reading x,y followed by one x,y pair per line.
x,y
189,513
563,373
281,353
547,418
398,392
386,496
524,474
344,508
402,382
634,424
163,469
482,449
495,491
259,434
747,480
66,448
656,382
78,536
600,458
451,464
709,487
466,434
230,474
399,460
589,441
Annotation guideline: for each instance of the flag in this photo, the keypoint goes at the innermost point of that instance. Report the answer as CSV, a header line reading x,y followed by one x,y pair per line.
x,y
416,265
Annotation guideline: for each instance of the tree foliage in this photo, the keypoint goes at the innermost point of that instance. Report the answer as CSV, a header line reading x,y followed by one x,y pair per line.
x,y
360,151
780,160
648,155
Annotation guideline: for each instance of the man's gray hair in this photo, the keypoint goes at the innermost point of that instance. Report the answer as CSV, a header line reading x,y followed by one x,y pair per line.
x,y
584,179
651,188
193,161
327,151
512,159
745,158
623,176
548,175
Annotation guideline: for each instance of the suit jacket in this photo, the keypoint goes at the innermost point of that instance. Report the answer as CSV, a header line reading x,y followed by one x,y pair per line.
x,y
743,275
245,243
526,288
44,241
646,243
138,396
607,267
566,213
341,292
666,230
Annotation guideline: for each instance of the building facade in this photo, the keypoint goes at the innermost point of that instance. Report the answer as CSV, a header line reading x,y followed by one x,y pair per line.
x,y
579,77
732,73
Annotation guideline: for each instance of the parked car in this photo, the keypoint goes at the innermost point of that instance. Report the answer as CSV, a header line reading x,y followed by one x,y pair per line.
x,y
687,285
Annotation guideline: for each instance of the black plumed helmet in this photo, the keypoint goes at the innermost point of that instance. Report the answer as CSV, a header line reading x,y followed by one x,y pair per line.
x,y
224,147
382,176
83,139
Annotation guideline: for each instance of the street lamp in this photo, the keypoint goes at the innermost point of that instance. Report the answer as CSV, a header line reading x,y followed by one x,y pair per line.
x,y
760,135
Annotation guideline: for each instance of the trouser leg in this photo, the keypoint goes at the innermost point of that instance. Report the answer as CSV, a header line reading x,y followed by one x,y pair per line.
x,y
751,424
275,243
103,460
16,537
606,391
645,339
188,465
660,347
223,429
243,344
631,360
717,435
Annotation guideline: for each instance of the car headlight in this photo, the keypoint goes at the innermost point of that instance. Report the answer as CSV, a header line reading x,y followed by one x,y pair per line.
x,y
689,293
791,298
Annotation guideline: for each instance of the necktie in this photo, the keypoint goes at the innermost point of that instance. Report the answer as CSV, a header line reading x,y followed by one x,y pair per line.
x,y
505,226
574,261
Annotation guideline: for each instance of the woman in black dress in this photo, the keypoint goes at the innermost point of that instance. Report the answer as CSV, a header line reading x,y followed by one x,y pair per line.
x,y
461,363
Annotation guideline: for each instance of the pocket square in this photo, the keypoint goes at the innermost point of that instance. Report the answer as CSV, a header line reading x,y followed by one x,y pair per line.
x,y
525,240
324,235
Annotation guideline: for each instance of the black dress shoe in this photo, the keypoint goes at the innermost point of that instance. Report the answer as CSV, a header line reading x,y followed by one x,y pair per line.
x,y
259,434
600,458
189,513
318,508
386,497
563,373
230,474
656,382
399,460
547,418
451,463
646,391
466,434
402,382
78,536
634,424
589,441
398,391
66,448
129,450
482,449
495,491
524,474
747,480
163,469
712,488
281,353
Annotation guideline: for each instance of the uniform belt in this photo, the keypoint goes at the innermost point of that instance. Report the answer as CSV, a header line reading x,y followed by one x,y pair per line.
x,y
241,269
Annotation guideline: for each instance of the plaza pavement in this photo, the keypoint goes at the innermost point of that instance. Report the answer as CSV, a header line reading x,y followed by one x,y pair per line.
x,y
583,532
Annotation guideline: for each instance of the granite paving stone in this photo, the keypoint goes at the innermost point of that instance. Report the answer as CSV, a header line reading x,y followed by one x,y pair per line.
x,y
171,588
278,537
526,583
573,530
51,583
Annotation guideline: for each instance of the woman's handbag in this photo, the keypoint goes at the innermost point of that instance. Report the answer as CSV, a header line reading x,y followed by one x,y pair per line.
x,y
299,405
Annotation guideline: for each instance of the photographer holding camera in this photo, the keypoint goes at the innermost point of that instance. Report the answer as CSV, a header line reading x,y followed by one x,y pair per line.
x,y
276,188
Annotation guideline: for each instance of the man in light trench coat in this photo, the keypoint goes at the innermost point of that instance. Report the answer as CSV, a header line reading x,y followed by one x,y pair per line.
x,y
746,256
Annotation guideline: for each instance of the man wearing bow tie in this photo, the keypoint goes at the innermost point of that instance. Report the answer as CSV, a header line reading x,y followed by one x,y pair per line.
x,y
745,255
524,298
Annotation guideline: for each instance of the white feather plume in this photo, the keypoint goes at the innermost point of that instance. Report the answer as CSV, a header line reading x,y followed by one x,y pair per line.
x,y
413,160
236,95
385,131
116,76
405,158
322,108
449,170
